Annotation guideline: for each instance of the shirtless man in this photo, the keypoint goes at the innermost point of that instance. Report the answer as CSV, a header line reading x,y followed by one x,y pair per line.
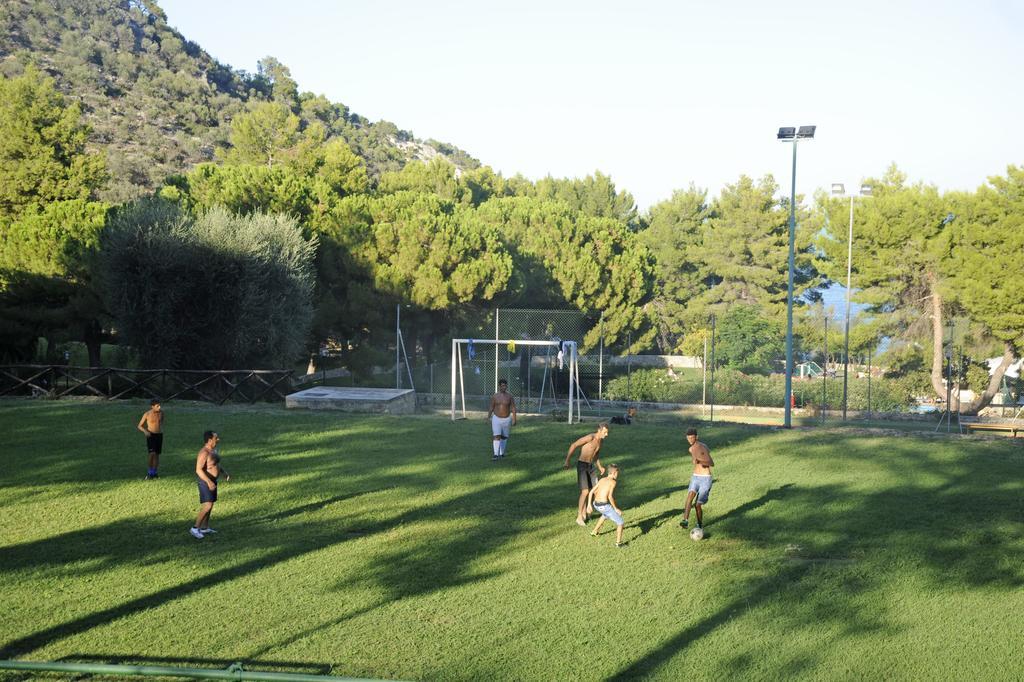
x,y
502,414
700,481
590,448
152,424
602,500
208,469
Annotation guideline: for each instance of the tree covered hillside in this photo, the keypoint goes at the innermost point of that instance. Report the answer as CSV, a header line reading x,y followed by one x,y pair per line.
x,y
157,103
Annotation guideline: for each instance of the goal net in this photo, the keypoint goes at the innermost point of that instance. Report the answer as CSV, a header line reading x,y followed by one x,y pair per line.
x,y
538,373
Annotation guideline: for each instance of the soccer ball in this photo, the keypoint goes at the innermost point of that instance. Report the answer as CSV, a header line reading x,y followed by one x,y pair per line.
x,y
697,534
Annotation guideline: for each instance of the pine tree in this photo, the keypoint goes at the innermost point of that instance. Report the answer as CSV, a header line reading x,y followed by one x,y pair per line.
x,y
745,248
49,226
674,237
984,267
42,148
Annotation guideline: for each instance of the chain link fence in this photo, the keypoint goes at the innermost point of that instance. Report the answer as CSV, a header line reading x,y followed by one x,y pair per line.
x,y
611,379
535,377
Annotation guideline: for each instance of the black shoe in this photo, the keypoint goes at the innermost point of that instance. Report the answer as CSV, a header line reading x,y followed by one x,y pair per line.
x,y
685,523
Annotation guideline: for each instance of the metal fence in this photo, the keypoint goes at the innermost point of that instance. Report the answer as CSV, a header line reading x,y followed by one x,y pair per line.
x,y
531,371
521,365
215,386
607,371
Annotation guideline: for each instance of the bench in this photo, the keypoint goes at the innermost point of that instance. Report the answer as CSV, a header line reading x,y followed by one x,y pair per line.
x,y
1014,430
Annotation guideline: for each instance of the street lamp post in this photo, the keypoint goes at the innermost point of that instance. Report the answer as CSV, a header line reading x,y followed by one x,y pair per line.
x,y
791,135
839,190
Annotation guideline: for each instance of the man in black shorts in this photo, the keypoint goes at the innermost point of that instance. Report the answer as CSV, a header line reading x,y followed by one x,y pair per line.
x,y
152,424
590,445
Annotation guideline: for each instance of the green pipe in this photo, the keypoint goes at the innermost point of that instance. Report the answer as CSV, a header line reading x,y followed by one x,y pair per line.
x,y
233,672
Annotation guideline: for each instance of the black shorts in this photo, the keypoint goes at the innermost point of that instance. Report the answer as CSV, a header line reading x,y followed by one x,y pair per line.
x,y
155,443
585,475
205,494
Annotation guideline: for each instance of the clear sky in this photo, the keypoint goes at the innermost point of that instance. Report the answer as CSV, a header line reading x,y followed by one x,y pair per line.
x,y
660,94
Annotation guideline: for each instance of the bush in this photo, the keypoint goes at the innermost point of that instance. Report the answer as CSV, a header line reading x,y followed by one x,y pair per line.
x,y
654,385
732,387
121,357
886,395
908,386
216,291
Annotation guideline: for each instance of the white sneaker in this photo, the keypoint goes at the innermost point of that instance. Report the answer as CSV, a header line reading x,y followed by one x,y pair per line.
x,y
196,533
204,531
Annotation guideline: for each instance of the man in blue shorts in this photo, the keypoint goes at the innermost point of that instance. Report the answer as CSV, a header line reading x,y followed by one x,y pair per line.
x,y
700,480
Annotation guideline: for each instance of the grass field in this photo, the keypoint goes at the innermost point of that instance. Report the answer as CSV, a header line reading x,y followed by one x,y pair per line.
x,y
393,548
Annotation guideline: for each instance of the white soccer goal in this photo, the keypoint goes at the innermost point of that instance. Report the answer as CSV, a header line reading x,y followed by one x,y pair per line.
x,y
552,362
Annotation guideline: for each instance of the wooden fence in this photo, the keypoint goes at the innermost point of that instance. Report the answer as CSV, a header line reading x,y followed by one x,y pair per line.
x,y
215,386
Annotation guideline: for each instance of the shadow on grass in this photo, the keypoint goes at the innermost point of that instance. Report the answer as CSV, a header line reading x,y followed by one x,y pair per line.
x,y
830,525
646,525
865,531
444,561
313,507
294,548
749,506
153,541
257,654
57,444
655,658
441,562
435,564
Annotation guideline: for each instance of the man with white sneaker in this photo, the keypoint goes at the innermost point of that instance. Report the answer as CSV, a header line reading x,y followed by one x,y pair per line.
x,y
208,470
502,414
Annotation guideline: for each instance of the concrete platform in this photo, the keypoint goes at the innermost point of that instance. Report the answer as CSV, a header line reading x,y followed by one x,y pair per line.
x,y
372,400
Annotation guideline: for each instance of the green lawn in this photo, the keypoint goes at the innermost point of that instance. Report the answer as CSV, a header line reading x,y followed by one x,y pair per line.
x,y
393,548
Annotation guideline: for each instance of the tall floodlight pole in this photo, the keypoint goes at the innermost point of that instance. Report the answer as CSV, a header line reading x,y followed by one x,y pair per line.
x,y
712,368
704,380
791,135
824,376
838,189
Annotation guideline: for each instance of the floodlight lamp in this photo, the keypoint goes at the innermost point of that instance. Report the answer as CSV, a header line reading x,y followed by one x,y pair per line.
x,y
838,189
865,190
806,132
787,133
